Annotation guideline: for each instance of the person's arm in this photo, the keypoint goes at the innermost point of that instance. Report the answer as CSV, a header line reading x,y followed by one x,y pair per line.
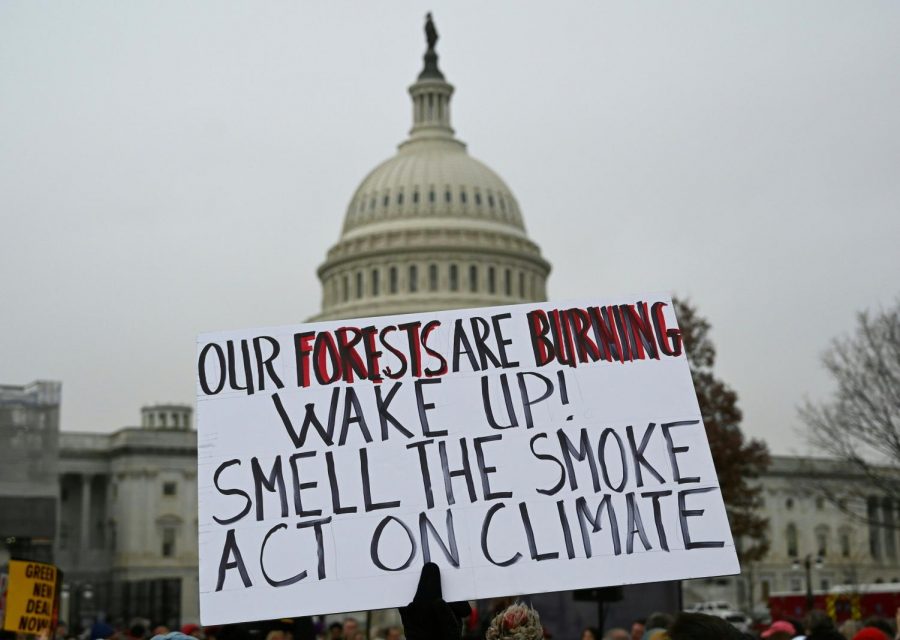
x,y
428,617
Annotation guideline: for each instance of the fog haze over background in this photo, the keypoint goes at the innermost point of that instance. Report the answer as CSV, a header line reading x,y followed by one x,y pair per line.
x,y
171,168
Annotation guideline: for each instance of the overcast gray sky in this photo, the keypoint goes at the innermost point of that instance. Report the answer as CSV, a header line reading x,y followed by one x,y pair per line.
x,y
168,168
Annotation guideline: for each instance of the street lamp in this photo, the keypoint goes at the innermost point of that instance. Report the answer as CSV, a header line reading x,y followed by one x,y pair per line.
x,y
808,565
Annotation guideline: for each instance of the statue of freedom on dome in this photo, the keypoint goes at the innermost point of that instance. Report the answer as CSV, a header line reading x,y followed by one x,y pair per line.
x,y
431,58
431,34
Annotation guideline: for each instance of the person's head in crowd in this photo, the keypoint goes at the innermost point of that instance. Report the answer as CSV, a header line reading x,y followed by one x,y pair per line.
x,y
637,629
173,635
819,626
700,626
848,628
160,630
193,630
393,633
617,633
871,633
351,626
779,630
590,633
655,622
879,623
335,631
516,622
817,620
359,635
137,631
286,626
101,630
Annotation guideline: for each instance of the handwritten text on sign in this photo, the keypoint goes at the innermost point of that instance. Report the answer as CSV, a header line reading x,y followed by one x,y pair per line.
x,y
524,449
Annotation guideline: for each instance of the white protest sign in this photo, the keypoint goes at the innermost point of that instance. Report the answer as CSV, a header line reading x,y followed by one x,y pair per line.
x,y
524,449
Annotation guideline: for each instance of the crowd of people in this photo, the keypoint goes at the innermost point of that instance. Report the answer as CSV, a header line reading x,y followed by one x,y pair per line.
x,y
816,625
429,617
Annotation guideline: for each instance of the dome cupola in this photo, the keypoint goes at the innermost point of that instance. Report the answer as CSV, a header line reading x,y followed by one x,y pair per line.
x,y
431,227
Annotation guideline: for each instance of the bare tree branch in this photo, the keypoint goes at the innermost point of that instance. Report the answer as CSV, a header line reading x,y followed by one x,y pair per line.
x,y
860,424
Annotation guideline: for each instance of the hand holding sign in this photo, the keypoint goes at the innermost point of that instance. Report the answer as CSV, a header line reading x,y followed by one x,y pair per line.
x,y
428,617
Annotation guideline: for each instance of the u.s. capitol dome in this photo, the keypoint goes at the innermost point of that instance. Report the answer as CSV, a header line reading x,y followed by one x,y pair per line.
x,y
430,228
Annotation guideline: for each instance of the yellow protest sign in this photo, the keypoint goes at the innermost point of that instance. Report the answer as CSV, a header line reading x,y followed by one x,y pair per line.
x,y
31,597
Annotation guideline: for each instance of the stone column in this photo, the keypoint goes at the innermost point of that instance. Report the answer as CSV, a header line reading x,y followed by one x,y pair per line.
x,y
57,533
109,513
144,522
872,513
890,540
86,513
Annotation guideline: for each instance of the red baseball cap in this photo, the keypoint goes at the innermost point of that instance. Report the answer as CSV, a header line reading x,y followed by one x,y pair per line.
x,y
870,633
780,625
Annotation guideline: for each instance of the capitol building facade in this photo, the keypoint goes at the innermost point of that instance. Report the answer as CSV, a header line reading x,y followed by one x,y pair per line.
x,y
430,228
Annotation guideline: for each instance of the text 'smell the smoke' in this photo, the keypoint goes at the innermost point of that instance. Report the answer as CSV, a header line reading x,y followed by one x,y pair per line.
x,y
524,449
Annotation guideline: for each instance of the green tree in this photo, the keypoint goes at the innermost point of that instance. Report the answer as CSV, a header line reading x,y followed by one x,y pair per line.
x,y
738,460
